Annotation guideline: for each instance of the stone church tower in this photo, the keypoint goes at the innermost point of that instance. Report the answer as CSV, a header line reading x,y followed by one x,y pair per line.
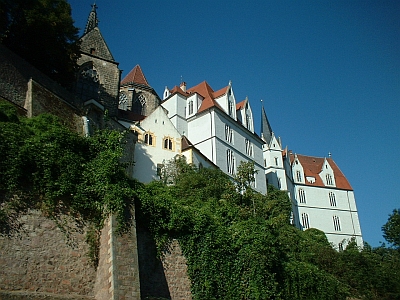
x,y
137,98
98,77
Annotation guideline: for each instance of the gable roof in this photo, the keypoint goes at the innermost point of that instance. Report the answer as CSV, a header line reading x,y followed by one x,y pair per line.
x,y
312,167
135,75
208,94
177,89
241,104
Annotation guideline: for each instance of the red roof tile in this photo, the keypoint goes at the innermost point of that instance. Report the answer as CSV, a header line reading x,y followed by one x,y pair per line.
x,y
135,75
312,166
241,104
177,89
208,94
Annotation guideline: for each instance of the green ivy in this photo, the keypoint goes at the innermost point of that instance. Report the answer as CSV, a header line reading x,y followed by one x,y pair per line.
x,y
46,166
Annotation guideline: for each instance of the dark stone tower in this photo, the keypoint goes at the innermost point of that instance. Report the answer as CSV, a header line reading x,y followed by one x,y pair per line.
x,y
137,98
98,77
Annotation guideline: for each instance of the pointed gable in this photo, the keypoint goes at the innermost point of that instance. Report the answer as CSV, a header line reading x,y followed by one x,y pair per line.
x,y
135,76
92,41
94,44
312,167
207,93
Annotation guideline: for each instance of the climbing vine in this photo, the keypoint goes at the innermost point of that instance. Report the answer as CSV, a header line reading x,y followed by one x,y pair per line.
x,y
46,166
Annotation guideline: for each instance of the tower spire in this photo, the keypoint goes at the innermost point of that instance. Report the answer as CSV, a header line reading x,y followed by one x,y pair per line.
x,y
266,130
92,21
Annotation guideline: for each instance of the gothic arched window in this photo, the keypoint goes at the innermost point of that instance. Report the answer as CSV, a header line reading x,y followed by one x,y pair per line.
x,y
138,106
123,101
88,84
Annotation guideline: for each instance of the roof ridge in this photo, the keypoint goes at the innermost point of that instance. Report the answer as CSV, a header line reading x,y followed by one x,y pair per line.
x,y
135,75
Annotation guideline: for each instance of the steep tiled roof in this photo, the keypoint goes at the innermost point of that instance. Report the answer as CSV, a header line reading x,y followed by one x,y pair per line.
x,y
135,75
185,143
241,104
312,166
220,92
209,95
177,89
341,180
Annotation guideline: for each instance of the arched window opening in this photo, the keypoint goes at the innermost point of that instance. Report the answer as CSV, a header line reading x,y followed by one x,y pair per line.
x,y
305,221
332,198
336,223
302,196
329,180
148,138
88,84
139,104
168,143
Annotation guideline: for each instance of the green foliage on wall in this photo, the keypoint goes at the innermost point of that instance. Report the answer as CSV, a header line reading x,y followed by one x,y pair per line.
x,y
46,166
239,244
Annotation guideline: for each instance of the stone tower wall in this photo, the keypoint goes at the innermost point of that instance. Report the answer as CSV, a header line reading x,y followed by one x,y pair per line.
x,y
109,76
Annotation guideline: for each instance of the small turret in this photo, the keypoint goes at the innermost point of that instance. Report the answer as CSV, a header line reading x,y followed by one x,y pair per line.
x,y
266,130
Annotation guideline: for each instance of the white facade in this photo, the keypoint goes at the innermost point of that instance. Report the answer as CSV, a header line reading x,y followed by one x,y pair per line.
x,y
322,198
158,142
221,129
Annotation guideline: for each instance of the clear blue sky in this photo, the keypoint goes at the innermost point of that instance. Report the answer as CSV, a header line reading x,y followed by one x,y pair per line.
x,y
328,73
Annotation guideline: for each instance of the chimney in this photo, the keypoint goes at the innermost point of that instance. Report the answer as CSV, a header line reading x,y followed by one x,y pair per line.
x,y
183,86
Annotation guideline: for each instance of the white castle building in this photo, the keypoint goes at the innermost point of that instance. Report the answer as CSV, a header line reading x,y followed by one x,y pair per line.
x,y
321,195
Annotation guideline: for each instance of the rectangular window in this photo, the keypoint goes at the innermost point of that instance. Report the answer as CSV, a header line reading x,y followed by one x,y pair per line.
x,y
276,161
190,107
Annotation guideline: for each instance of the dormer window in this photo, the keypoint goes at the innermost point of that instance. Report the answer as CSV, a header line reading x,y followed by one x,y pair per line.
x,y
248,122
190,107
230,108
329,180
298,176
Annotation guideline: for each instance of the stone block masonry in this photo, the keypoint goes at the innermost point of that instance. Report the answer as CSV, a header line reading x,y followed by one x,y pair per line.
x,y
40,260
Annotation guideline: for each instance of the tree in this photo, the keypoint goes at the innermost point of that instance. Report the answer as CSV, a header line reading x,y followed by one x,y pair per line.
x,y
43,33
233,252
391,230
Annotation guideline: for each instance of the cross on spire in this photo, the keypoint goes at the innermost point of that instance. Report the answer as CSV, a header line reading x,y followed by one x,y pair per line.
x,y
92,21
